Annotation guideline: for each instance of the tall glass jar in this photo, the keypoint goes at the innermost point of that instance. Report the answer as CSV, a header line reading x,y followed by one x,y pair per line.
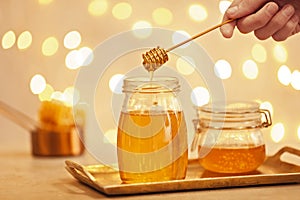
x,y
229,136
152,133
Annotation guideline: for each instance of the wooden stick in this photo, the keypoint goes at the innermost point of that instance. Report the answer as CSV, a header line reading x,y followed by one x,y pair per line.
x,y
200,34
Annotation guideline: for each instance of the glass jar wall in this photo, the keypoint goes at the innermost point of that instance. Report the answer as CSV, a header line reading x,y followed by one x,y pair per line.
x,y
152,133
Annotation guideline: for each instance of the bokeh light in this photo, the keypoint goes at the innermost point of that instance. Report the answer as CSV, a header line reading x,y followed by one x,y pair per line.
x,y
73,60
78,58
162,16
259,53
142,29
111,136
284,75
295,81
45,2
24,40
250,69
277,132
185,65
97,7
223,6
37,84
200,96
280,53
50,46
223,69
122,10
72,40
197,12
71,96
267,106
86,56
180,36
45,95
116,83
8,40
58,95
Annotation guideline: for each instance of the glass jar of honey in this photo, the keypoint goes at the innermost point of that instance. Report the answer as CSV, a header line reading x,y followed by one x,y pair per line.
x,y
152,134
229,136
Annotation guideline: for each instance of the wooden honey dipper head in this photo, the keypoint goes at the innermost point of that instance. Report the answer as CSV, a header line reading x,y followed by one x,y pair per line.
x,y
154,58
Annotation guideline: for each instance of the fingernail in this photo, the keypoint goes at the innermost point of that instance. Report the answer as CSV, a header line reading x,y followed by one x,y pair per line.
x,y
272,8
288,10
232,10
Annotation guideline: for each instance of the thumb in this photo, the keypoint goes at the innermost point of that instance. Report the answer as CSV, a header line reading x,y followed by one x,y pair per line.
x,y
241,8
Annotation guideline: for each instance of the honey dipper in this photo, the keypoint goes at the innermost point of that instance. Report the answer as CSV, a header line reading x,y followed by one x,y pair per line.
x,y
156,57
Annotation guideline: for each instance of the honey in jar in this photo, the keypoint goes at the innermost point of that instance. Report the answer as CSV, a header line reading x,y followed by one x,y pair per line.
x,y
233,159
231,139
152,134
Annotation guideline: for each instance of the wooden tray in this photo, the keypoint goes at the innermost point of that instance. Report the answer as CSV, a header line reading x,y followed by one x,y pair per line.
x,y
106,180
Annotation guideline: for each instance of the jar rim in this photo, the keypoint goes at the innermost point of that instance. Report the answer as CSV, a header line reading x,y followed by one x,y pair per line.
x,y
157,84
234,115
146,79
230,107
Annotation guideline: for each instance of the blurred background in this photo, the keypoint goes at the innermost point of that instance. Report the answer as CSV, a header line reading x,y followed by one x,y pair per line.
x,y
44,43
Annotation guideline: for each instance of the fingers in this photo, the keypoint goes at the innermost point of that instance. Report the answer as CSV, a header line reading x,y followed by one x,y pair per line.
x,y
280,25
241,8
227,29
287,30
259,19
237,9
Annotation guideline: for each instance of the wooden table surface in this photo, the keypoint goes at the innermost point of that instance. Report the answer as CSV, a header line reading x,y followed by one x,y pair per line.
x,y
23,176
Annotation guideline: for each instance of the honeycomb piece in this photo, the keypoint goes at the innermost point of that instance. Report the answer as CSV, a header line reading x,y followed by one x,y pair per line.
x,y
56,113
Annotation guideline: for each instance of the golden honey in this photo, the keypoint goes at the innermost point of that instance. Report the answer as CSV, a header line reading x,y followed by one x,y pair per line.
x,y
233,159
152,146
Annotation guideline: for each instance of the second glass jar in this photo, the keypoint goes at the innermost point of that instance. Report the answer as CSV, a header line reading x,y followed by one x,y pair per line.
x,y
229,136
